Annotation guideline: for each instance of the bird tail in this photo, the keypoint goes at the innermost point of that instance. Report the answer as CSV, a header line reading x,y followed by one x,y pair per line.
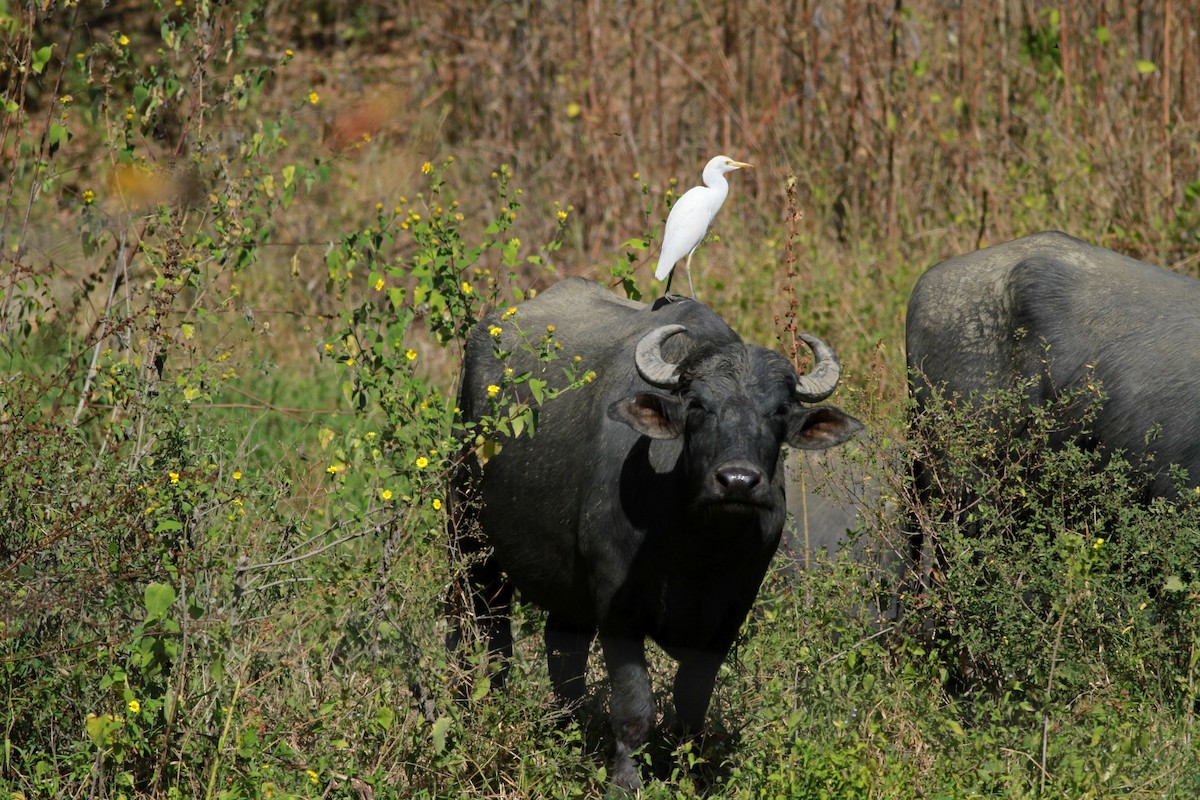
x,y
664,268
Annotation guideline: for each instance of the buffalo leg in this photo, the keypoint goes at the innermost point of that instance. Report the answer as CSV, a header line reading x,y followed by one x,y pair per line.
x,y
567,649
484,595
693,688
632,705
480,597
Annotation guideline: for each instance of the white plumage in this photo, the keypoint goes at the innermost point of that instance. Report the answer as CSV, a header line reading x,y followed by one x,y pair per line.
x,y
690,217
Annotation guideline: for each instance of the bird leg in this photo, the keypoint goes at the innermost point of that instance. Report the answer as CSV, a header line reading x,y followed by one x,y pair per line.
x,y
687,266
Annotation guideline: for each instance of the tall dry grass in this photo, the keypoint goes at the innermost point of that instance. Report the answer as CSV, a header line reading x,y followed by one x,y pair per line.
x,y
915,129
900,118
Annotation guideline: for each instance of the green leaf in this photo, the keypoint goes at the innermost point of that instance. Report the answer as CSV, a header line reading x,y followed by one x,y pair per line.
x,y
102,729
169,525
441,727
41,58
59,134
486,449
1146,67
384,717
159,597
1173,584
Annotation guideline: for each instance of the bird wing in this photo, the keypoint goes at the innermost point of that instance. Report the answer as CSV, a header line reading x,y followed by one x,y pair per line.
x,y
686,225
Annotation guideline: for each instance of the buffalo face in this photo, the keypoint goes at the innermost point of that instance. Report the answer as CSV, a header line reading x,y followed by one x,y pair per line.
x,y
734,405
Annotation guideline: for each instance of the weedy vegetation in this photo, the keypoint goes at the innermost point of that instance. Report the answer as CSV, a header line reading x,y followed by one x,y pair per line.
x,y
242,245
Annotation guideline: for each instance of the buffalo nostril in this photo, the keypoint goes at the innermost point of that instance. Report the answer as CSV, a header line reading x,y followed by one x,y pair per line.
x,y
738,479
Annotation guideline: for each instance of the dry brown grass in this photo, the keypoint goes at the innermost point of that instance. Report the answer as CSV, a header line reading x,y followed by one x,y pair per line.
x,y
914,131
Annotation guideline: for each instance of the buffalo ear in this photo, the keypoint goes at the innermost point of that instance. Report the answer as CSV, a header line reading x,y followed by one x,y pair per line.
x,y
650,414
820,427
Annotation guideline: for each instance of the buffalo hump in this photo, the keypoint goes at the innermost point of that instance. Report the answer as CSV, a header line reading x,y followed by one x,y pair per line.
x,y
1056,310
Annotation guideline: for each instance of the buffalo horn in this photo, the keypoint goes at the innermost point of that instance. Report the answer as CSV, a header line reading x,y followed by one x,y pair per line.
x,y
820,382
650,364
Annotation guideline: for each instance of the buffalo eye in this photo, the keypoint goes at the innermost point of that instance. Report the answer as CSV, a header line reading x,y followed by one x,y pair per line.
x,y
783,409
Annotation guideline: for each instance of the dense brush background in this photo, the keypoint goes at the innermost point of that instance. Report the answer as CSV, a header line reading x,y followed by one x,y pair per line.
x,y
242,244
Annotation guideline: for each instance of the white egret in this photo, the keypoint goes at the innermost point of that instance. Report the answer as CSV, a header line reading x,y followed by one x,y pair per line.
x,y
690,217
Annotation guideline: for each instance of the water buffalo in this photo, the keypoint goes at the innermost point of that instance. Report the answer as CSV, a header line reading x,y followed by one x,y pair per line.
x,y
648,504
1056,311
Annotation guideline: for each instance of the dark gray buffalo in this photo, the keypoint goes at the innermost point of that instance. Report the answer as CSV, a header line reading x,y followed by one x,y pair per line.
x,y
648,504
1054,310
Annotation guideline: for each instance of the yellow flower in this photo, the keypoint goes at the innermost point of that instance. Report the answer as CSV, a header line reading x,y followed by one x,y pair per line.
x,y
1098,543
422,462
549,329
312,776
174,476
237,476
513,310
123,41
493,390
328,347
89,197
379,285
66,99
314,98
134,706
466,287
386,494
437,504
562,215
426,168
495,330
411,355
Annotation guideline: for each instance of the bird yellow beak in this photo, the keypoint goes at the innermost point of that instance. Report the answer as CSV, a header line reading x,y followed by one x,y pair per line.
x,y
739,164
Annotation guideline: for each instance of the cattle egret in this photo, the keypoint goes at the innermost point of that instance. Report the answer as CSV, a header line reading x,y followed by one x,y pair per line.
x,y
690,217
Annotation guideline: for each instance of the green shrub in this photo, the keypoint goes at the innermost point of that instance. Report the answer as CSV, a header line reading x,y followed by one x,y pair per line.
x,y
1058,595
